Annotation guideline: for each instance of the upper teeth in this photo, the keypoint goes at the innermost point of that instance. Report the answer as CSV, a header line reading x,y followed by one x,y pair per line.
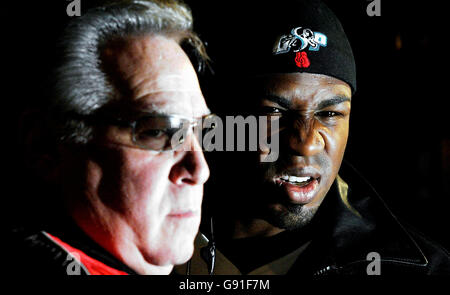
x,y
295,178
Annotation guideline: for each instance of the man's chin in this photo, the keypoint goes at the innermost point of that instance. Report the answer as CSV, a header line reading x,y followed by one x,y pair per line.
x,y
171,255
290,217
181,248
182,254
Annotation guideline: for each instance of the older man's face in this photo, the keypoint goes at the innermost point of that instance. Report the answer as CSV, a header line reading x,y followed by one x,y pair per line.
x,y
142,205
314,112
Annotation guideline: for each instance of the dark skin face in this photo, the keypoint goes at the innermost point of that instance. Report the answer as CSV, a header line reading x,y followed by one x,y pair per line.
x,y
313,112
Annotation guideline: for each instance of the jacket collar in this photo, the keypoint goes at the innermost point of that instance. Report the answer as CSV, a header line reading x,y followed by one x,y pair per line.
x,y
71,234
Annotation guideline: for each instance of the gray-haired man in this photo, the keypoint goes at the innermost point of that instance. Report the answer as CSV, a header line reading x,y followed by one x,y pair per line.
x,y
132,201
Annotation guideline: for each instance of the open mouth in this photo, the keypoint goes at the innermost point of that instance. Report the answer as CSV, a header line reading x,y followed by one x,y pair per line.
x,y
299,189
297,180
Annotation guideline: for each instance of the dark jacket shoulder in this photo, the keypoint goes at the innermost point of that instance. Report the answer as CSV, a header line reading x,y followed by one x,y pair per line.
x,y
356,228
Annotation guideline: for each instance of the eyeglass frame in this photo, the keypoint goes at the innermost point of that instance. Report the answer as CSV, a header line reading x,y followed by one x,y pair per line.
x,y
119,121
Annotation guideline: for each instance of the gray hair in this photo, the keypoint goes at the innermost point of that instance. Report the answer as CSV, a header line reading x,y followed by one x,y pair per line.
x,y
80,86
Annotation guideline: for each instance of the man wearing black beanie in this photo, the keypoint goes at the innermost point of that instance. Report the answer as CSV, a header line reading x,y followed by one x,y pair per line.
x,y
309,212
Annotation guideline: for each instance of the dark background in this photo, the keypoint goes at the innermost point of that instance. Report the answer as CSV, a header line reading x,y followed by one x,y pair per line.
x,y
399,136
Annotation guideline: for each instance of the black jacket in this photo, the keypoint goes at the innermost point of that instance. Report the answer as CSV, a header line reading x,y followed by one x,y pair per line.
x,y
352,222
49,250
355,222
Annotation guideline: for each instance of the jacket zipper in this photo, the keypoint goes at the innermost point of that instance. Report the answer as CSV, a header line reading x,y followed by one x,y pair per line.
x,y
325,270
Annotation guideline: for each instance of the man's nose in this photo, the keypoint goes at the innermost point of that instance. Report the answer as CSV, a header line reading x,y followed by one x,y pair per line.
x,y
305,140
192,167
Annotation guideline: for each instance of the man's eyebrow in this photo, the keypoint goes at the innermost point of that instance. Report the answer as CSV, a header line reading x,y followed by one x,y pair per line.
x,y
333,101
283,102
162,112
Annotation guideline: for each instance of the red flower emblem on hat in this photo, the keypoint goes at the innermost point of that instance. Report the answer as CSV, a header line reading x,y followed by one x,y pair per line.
x,y
301,60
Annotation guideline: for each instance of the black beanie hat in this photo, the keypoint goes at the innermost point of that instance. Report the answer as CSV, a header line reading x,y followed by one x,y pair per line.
x,y
286,36
307,37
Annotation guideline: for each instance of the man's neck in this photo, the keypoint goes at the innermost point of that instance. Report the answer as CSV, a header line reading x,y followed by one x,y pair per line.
x,y
254,228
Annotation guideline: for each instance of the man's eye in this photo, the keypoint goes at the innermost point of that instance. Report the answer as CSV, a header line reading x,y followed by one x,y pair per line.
x,y
154,133
271,111
328,114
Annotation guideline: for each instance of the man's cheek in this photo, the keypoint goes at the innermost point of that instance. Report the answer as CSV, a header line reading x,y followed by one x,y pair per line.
x,y
144,169
341,145
336,139
146,185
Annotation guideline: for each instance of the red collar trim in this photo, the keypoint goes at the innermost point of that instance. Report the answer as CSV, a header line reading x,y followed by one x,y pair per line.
x,y
94,266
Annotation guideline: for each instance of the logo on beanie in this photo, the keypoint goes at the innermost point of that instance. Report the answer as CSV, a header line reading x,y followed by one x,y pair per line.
x,y
299,41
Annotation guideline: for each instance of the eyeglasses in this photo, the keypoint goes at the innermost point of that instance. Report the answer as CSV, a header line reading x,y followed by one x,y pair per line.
x,y
162,132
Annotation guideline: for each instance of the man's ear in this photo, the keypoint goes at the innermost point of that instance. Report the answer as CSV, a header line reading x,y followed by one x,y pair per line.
x,y
40,153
